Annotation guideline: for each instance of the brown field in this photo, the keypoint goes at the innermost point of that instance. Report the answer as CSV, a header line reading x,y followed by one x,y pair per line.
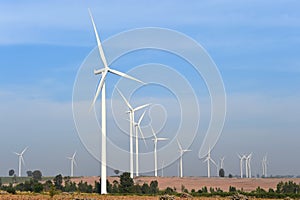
x,y
198,182
94,197
163,182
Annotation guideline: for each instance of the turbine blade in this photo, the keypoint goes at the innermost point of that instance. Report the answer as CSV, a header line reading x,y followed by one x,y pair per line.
x,y
17,153
153,133
162,139
74,161
99,88
22,160
179,145
74,155
213,162
127,103
141,118
142,136
24,150
98,42
142,106
125,75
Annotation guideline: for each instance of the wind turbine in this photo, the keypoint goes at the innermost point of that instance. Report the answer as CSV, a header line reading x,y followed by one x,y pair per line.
x,y
101,86
241,163
222,162
131,118
21,160
181,151
72,163
264,166
208,159
137,129
155,140
248,166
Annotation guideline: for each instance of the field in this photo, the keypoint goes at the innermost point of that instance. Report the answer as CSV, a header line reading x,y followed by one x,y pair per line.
x,y
94,197
198,182
163,182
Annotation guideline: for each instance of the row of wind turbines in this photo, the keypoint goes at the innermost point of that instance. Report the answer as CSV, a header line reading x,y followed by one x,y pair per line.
x,y
136,125
21,161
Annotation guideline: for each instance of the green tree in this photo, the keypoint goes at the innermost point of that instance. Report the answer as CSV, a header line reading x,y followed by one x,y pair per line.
x,y
85,187
115,187
58,182
47,185
232,189
153,187
29,173
222,172
126,183
37,175
11,172
169,191
116,171
145,188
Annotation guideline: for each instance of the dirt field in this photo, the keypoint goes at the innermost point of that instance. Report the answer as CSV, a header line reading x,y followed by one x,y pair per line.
x,y
198,182
94,197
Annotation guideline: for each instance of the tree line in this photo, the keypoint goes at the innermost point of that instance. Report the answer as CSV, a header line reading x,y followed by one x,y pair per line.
x,y
126,185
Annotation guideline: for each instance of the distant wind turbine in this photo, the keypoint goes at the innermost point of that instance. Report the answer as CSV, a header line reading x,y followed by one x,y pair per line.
x,y
155,140
208,160
264,165
72,163
21,160
101,86
248,166
242,158
131,121
222,162
181,151
137,130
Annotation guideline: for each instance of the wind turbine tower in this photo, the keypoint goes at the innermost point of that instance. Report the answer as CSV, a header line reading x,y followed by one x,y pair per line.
x,y
264,166
137,129
208,160
242,158
21,160
72,163
101,88
181,151
248,166
155,140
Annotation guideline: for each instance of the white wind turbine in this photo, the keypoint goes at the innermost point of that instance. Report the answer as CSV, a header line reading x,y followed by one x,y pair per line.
x,y
104,71
155,140
248,166
208,160
137,129
264,166
131,121
72,163
222,162
181,151
21,160
241,163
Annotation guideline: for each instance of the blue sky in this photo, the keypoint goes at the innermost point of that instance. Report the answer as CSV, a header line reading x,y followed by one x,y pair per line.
x,y
255,45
